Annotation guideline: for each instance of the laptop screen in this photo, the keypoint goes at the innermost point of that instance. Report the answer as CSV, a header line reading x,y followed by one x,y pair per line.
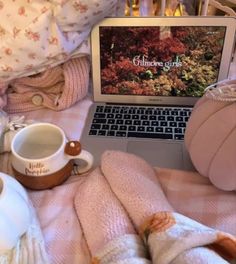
x,y
160,61
156,60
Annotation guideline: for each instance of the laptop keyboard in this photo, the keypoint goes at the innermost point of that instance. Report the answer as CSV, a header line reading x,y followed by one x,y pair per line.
x,y
140,121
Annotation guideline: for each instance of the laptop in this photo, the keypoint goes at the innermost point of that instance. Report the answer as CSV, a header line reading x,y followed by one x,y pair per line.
x,y
148,72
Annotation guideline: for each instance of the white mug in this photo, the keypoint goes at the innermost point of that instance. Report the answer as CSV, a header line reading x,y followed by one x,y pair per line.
x,y
43,158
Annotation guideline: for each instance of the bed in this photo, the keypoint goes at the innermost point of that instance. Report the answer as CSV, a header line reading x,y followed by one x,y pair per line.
x,y
189,194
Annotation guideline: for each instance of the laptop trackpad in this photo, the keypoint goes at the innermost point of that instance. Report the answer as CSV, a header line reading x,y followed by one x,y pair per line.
x,y
159,154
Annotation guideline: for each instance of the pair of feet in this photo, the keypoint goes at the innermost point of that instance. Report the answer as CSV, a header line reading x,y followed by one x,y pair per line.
x,y
117,197
123,198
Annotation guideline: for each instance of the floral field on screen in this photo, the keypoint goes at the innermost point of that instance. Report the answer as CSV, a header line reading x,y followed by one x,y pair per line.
x,y
160,61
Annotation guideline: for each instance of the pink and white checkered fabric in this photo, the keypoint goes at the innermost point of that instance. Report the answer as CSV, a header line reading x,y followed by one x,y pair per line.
x,y
194,196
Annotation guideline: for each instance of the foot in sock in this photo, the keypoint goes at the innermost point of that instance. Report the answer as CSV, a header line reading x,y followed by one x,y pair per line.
x,y
135,184
166,233
107,228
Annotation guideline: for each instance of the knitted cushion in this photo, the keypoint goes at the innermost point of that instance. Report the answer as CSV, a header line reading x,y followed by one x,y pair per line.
x,y
56,88
210,135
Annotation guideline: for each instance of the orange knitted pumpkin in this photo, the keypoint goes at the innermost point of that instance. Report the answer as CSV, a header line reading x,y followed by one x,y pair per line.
x,y
210,135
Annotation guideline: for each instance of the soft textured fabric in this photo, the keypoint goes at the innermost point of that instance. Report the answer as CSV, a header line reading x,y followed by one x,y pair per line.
x,y
135,184
3,96
195,196
57,88
38,34
126,249
102,216
64,240
167,234
176,239
107,228
189,193
198,255
170,237
210,135
9,127
30,248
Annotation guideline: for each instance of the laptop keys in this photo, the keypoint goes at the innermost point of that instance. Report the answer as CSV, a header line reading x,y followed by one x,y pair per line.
x,y
140,122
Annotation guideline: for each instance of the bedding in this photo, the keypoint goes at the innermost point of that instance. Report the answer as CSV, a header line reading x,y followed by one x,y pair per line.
x,y
189,193
30,247
49,33
132,200
37,36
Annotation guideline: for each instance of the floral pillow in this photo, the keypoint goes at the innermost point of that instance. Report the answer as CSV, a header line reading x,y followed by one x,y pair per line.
x,y
38,34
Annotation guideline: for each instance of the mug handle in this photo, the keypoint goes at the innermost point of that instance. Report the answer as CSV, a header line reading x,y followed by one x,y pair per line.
x,y
74,150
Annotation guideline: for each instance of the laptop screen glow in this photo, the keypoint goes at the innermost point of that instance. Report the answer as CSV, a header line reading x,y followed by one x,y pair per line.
x,y
160,61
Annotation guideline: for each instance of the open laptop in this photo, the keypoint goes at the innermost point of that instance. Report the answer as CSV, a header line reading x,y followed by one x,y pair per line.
x,y
148,72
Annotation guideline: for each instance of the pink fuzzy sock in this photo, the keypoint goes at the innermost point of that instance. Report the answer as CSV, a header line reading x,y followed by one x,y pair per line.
x,y
134,182
102,216
171,238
